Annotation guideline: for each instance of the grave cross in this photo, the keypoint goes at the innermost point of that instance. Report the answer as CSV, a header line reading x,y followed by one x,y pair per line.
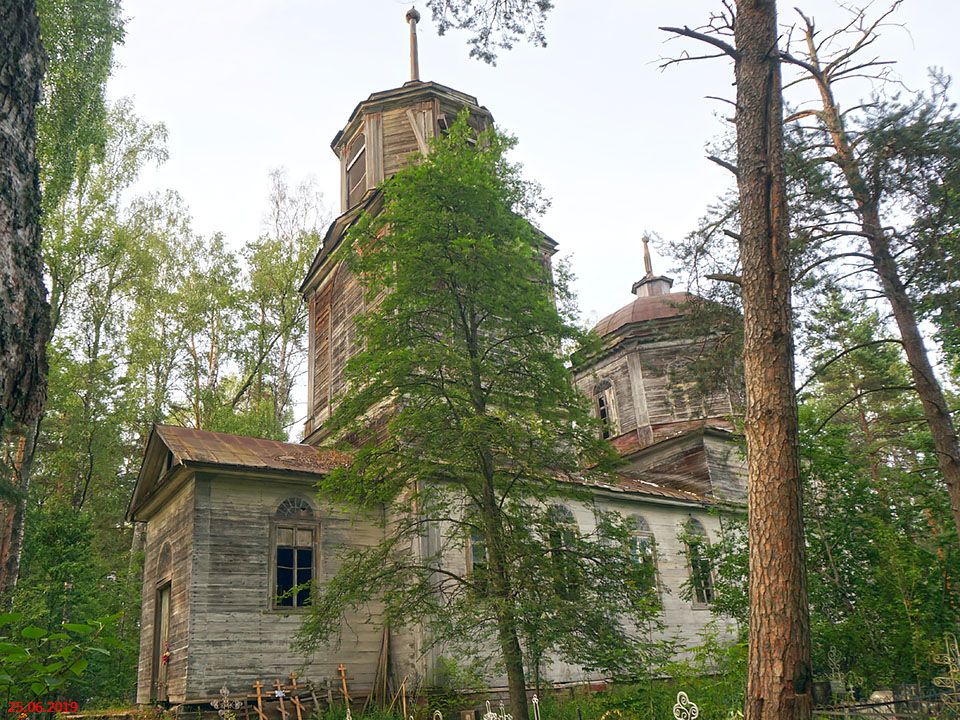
x,y
224,705
951,680
280,695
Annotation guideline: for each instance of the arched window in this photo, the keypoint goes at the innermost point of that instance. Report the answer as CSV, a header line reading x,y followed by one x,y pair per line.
x,y
701,572
164,562
294,507
294,545
643,548
604,399
562,534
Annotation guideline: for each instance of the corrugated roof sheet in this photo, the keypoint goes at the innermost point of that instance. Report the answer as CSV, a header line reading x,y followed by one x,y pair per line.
x,y
204,446
645,309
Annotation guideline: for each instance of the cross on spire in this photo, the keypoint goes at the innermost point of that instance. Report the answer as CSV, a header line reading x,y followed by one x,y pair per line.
x,y
413,17
647,262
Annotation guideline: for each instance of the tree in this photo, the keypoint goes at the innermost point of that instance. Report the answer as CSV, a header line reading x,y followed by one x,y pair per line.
x,y
471,432
51,138
873,172
495,24
884,587
24,327
779,672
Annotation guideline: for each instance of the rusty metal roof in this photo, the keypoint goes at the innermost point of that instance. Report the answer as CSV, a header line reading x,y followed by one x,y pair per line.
x,y
645,309
204,446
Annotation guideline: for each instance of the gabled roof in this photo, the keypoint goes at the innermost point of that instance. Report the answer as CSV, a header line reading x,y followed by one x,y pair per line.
x,y
170,448
204,446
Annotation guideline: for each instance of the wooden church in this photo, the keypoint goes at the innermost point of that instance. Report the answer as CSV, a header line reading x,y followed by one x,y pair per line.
x,y
234,522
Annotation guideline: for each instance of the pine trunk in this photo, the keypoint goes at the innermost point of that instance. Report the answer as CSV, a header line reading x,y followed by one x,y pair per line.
x,y
779,674
936,412
25,320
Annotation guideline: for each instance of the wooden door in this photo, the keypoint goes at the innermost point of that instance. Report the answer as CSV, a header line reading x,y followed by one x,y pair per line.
x,y
161,645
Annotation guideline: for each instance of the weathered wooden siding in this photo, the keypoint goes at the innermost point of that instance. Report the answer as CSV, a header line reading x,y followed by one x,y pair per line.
x,y
235,635
171,526
399,138
646,394
669,400
628,406
728,468
338,301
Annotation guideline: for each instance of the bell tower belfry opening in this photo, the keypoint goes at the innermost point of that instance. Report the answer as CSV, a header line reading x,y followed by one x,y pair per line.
x,y
383,133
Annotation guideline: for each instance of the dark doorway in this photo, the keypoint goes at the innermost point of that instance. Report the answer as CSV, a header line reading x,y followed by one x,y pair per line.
x,y
161,643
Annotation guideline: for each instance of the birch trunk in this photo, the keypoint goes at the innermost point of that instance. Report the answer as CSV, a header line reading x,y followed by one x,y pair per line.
x,y
25,316
24,312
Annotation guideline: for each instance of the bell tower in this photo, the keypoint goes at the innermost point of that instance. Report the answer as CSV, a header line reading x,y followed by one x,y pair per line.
x,y
389,127
383,133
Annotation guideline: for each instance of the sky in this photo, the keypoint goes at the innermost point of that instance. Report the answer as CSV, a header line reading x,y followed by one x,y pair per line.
x,y
247,86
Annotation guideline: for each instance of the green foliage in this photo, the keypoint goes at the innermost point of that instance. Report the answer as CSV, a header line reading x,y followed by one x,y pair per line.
x,y
713,674
882,552
151,324
461,360
495,24
67,575
37,663
79,37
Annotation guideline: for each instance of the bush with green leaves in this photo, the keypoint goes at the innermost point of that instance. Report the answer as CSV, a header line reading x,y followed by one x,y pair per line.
x,y
36,664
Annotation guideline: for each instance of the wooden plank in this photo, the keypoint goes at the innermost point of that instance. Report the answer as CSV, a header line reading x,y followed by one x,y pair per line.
x,y
417,131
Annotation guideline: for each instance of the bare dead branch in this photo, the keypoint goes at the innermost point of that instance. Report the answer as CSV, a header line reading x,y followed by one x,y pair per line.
x,y
800,115
725,277
724,47
724,164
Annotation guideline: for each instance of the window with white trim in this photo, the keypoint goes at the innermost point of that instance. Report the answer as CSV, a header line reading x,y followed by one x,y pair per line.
x,y
643,549
698,562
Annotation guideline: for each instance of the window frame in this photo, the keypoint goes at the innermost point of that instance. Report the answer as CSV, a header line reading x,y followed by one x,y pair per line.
x,y
693,527
352,158
642,531
562,531
294,523
604,403
476,541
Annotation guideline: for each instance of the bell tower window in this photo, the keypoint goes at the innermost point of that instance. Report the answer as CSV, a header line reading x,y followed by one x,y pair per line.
x,y
604,416
606,411
356,176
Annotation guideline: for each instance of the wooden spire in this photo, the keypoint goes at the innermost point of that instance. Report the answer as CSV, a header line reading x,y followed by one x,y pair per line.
x,y
647,262
650,284
413,17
